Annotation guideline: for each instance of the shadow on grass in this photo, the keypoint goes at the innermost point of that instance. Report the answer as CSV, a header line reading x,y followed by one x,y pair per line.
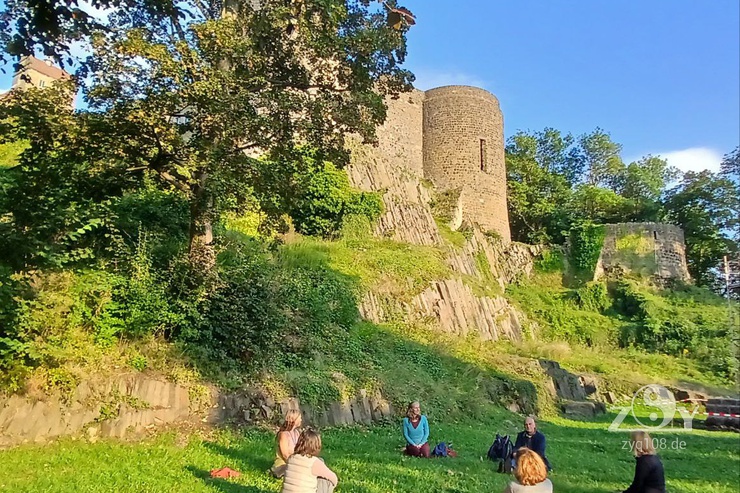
x,y
222,485
243,456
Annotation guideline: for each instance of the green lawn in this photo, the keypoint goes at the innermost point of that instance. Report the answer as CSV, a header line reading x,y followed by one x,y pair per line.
x,y
586,458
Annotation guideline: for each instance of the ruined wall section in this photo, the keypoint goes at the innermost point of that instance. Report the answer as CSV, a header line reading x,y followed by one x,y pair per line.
x,y
463,146
394,167
649,249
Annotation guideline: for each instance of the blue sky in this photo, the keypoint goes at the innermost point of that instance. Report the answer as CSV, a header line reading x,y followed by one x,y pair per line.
x,y
662,76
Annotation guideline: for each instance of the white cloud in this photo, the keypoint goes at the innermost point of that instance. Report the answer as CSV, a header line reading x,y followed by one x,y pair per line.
x,y
693,159
429,79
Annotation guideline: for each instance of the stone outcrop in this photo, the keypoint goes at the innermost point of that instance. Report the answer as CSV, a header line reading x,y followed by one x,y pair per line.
x,y
394,168
504,262
459,311
112,408
252,406
578,394
131,405
453,307
582,409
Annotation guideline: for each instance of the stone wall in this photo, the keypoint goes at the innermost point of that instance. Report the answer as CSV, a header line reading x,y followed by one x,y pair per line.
x,y
464,149
451,137
394,168
650,249
130,405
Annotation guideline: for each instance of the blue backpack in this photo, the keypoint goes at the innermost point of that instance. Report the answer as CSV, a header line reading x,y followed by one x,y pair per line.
x,y
440,450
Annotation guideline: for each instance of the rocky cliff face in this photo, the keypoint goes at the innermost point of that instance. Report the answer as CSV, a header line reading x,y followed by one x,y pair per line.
x,y
394,167
131,405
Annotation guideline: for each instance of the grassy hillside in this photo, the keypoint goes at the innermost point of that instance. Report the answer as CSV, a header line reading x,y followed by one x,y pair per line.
x,y
286,319
628,328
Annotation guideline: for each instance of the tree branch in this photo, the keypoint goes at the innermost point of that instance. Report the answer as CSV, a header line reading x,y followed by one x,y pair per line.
x,y
166,176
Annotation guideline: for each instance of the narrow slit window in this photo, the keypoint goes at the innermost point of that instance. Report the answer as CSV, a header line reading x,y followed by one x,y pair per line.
x,y
655,235
482,154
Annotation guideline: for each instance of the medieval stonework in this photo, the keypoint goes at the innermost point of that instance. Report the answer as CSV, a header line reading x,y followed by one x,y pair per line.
x,y
651,249
451,137
464,152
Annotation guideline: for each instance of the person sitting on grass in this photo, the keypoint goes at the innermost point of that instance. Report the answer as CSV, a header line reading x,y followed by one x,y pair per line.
x,y
416,432
649,475
532,439
306,471
530,474
286,439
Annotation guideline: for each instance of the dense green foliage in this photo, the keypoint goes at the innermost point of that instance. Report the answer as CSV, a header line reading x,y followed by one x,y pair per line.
x,y
183,99
557,181
9,152
586,240
685,321
370,461
313,193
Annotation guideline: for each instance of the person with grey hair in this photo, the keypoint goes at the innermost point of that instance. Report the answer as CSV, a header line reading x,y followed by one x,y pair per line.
x,y
532,439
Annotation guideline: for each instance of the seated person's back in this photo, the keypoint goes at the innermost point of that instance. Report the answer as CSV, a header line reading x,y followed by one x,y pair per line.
x,y
286,440
305,471
530,474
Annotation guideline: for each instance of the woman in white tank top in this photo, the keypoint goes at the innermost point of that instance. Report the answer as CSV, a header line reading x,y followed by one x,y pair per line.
x,y
306,472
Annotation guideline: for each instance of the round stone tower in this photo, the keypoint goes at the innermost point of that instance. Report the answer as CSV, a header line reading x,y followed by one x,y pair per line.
x,y
463,147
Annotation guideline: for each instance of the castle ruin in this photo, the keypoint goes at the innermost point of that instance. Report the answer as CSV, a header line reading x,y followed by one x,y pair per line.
x,y
654,250
451,137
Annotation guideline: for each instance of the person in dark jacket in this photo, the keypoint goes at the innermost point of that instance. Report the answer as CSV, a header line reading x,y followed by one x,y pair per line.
x,y
649,476
532,439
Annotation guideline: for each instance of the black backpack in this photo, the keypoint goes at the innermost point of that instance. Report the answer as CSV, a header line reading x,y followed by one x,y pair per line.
x,y
501,451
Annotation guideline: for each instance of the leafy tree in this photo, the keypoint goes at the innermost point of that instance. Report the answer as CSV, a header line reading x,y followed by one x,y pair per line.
x,y
10,151
547,192
730,166
65,181
601,205
647,179
539,173
195,95
27,26
706,206
314,193
601,159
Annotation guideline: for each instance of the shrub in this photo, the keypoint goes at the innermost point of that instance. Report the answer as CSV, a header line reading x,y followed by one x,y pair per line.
x,y
593,296
586,241
326,198
272,314
550,261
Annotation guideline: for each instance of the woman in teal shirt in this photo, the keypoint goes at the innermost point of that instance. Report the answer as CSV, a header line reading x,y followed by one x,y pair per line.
x,y
416,432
